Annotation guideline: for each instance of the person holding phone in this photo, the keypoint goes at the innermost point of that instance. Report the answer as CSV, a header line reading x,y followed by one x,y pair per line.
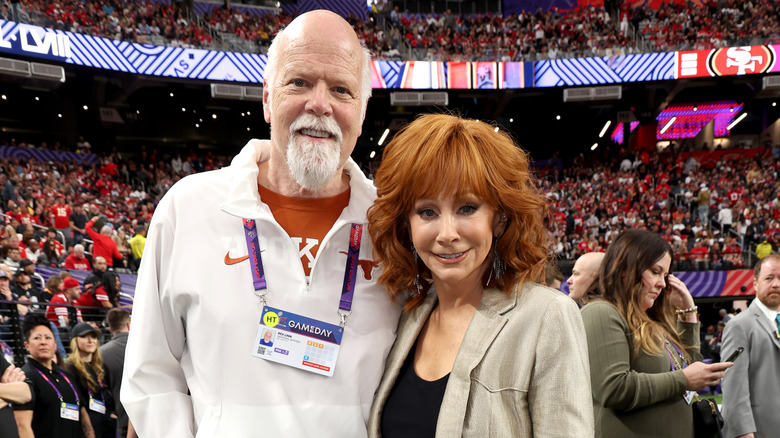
x,y
643,343
751,390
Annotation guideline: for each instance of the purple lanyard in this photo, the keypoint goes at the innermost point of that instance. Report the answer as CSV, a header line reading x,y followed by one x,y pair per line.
x,y
350,273
57,390
671,359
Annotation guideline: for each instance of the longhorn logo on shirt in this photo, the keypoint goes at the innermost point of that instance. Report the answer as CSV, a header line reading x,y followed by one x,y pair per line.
x,y
366,265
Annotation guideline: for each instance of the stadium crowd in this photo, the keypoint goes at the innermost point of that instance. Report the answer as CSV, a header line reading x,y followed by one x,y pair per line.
x,y
716,214
145,22
392,34
685,26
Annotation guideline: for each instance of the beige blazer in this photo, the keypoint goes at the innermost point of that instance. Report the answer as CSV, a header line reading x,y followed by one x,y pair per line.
x,y
522,369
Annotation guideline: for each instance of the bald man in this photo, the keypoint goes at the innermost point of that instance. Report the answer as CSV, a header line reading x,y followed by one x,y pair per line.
x,y
584,275
270,243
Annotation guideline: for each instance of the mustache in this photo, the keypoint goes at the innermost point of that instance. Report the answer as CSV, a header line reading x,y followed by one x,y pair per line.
x,y
310,121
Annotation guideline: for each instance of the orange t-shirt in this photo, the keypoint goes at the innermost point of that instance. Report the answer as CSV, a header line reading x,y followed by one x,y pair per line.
x,y
306,220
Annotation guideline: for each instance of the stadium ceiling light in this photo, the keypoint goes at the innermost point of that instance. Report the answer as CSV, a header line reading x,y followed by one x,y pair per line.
x,y
696,108
668,124
197,125
171,94
59,115
595,145
384,136
511,120
214,116
37,98
495,129
734,123
5,97
85,107
372,155
137,111
773,103
183,109
558,117
243,114
248,113
247,128
604,129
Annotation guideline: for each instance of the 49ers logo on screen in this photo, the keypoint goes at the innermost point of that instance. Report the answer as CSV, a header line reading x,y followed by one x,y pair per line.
x,y
735,61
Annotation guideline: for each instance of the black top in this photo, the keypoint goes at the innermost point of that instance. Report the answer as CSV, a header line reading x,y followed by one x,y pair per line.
x,y
45,404
79,220
7,421
101,422
412,408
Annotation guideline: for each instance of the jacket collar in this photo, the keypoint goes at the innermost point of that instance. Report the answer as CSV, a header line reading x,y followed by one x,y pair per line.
x,y
763,322
243,199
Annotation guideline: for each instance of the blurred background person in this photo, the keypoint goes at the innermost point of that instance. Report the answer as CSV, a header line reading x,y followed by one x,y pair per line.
x,y
552,276
750,390
113,362
458,228
13,389
86,363
49,255
583,284
56,409
643,342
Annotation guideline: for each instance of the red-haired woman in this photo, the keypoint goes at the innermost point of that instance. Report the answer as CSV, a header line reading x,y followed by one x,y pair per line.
x,y
482,349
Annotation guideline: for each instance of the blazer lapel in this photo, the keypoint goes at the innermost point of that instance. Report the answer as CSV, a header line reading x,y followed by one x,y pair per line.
x,y
487,323
764,323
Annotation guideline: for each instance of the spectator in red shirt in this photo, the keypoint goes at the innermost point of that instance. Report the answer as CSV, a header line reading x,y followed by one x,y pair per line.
x,y
60,213
76,259
700,255
61,314
94,297
103,245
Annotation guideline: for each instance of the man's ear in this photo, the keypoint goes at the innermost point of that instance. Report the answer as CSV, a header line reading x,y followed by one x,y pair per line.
x,y
266,103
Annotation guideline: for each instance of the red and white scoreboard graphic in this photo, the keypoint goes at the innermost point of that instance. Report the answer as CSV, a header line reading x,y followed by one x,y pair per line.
x,y
731,61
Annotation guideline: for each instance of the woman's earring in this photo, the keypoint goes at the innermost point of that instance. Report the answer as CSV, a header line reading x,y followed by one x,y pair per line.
x,y
499,265
417,278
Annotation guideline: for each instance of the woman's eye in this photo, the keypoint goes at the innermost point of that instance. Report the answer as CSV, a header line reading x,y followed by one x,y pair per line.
x,y
469,208
426,213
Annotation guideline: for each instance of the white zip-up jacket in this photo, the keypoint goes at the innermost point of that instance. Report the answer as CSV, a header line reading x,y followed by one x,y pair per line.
x,y
195,317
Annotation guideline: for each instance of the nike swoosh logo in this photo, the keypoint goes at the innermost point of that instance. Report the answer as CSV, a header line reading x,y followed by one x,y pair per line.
x,y
231,261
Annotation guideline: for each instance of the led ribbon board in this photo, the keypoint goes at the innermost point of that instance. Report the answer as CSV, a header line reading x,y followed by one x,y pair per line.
x,y
85,50
731,61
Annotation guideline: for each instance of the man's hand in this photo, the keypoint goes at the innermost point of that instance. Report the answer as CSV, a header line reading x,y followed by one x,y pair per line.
x,y
12,374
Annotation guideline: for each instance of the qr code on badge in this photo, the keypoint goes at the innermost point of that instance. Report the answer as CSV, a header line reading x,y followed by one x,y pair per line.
x,y
261,350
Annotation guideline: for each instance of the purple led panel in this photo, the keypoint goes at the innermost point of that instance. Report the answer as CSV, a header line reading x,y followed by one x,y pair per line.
x,y
691,118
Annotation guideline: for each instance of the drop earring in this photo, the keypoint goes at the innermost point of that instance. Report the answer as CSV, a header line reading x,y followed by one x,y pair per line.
x,y
499,266
417,284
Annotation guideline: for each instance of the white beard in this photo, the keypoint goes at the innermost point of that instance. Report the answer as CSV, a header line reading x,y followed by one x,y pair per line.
x,y
310,164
